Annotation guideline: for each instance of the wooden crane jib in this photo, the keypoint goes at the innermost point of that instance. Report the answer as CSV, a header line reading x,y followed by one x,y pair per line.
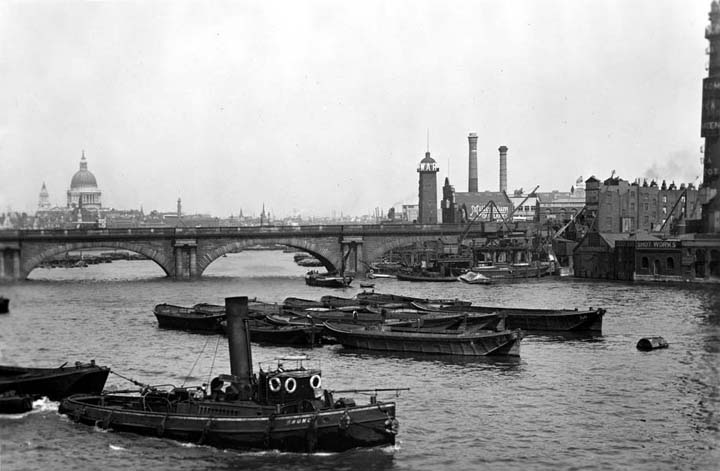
x,y
504,220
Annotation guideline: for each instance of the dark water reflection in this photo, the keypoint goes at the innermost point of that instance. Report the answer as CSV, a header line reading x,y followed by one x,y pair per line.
x,y
569,402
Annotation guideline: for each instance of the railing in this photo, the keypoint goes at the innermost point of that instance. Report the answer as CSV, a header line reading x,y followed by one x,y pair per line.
x,y
324,229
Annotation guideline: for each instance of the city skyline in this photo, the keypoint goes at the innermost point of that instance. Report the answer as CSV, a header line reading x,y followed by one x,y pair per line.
x,y
327,108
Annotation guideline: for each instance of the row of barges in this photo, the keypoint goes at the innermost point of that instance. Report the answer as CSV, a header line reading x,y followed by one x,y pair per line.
x,y
388,322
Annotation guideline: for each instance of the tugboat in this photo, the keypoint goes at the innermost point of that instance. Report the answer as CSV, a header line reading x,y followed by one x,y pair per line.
x,y
283,408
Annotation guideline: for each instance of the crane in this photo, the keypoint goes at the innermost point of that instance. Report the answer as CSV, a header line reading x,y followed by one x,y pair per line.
x,y
675,207
504,220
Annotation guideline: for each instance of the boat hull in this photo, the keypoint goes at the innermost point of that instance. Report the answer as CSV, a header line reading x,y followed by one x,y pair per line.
x,y
427,278
386,298
286,334
324,281
53,383
514,271
323,430
15,404
473,278
587,321
536,320
466,344
192,319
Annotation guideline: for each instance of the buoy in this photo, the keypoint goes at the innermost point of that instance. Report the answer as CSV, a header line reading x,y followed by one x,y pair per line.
x,y
651,343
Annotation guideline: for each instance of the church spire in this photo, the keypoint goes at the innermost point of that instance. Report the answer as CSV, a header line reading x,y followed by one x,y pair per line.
x,y
44,202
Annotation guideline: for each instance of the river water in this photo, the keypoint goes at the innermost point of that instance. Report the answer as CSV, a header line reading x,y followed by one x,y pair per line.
x,y
565,403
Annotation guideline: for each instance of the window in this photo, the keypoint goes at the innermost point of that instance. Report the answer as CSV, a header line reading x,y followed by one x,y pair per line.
x,y
670,263
644,263
664,199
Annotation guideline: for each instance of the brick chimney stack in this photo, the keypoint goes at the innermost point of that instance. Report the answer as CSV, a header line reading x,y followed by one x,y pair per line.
x,y
503,168
472,163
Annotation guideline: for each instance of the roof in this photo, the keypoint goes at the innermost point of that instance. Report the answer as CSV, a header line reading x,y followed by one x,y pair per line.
x,y
428,159
611,238
83,178
500,198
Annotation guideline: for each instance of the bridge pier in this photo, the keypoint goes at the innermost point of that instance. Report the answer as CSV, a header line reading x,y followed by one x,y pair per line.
x,y
186,266
9,262
351,249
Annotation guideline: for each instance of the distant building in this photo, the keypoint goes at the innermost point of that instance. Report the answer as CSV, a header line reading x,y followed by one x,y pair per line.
x,y
84,191
483,206
410,212
621,206
448,206
44,200
524,206
559,206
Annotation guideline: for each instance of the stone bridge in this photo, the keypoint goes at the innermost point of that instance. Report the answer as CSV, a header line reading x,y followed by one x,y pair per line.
x,y
186,252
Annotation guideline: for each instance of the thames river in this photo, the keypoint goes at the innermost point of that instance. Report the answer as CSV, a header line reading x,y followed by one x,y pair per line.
x,y
565,403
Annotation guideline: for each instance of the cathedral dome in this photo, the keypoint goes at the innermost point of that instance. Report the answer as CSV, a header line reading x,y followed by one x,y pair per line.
x,y
83,178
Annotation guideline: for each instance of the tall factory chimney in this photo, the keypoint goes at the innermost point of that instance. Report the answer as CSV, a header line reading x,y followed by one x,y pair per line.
x,y
472,164
503,167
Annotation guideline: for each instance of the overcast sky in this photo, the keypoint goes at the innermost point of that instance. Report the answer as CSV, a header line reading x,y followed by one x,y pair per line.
x,y
324,106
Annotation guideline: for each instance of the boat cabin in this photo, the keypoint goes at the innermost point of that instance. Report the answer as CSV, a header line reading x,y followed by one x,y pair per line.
x,y
291,382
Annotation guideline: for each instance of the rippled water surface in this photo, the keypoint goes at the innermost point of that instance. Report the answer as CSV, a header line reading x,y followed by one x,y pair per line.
x,y
566,403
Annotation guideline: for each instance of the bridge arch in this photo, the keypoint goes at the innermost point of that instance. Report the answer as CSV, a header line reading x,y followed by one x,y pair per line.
x,y
314,247
374,252
47,252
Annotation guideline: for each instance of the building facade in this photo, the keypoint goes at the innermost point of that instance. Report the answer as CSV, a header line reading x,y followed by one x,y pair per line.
x,y
710,127
624,207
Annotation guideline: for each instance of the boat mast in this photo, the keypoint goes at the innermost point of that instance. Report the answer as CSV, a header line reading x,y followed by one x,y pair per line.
x,y
239,344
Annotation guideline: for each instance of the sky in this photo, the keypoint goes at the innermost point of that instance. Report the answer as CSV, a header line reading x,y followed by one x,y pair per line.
x,y
325,107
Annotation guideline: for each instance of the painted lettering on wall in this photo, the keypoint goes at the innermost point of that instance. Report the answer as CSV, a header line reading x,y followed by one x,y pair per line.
x,y
657,244
485,211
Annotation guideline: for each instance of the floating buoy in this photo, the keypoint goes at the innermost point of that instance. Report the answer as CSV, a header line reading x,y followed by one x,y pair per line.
x,y
651,343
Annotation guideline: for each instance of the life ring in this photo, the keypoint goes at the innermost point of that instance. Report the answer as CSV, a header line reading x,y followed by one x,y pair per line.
x,y
344,422
290,385
315,381
275,384
392,426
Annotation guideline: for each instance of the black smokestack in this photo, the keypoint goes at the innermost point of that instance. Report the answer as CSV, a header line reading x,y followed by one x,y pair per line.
x,y
239,343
